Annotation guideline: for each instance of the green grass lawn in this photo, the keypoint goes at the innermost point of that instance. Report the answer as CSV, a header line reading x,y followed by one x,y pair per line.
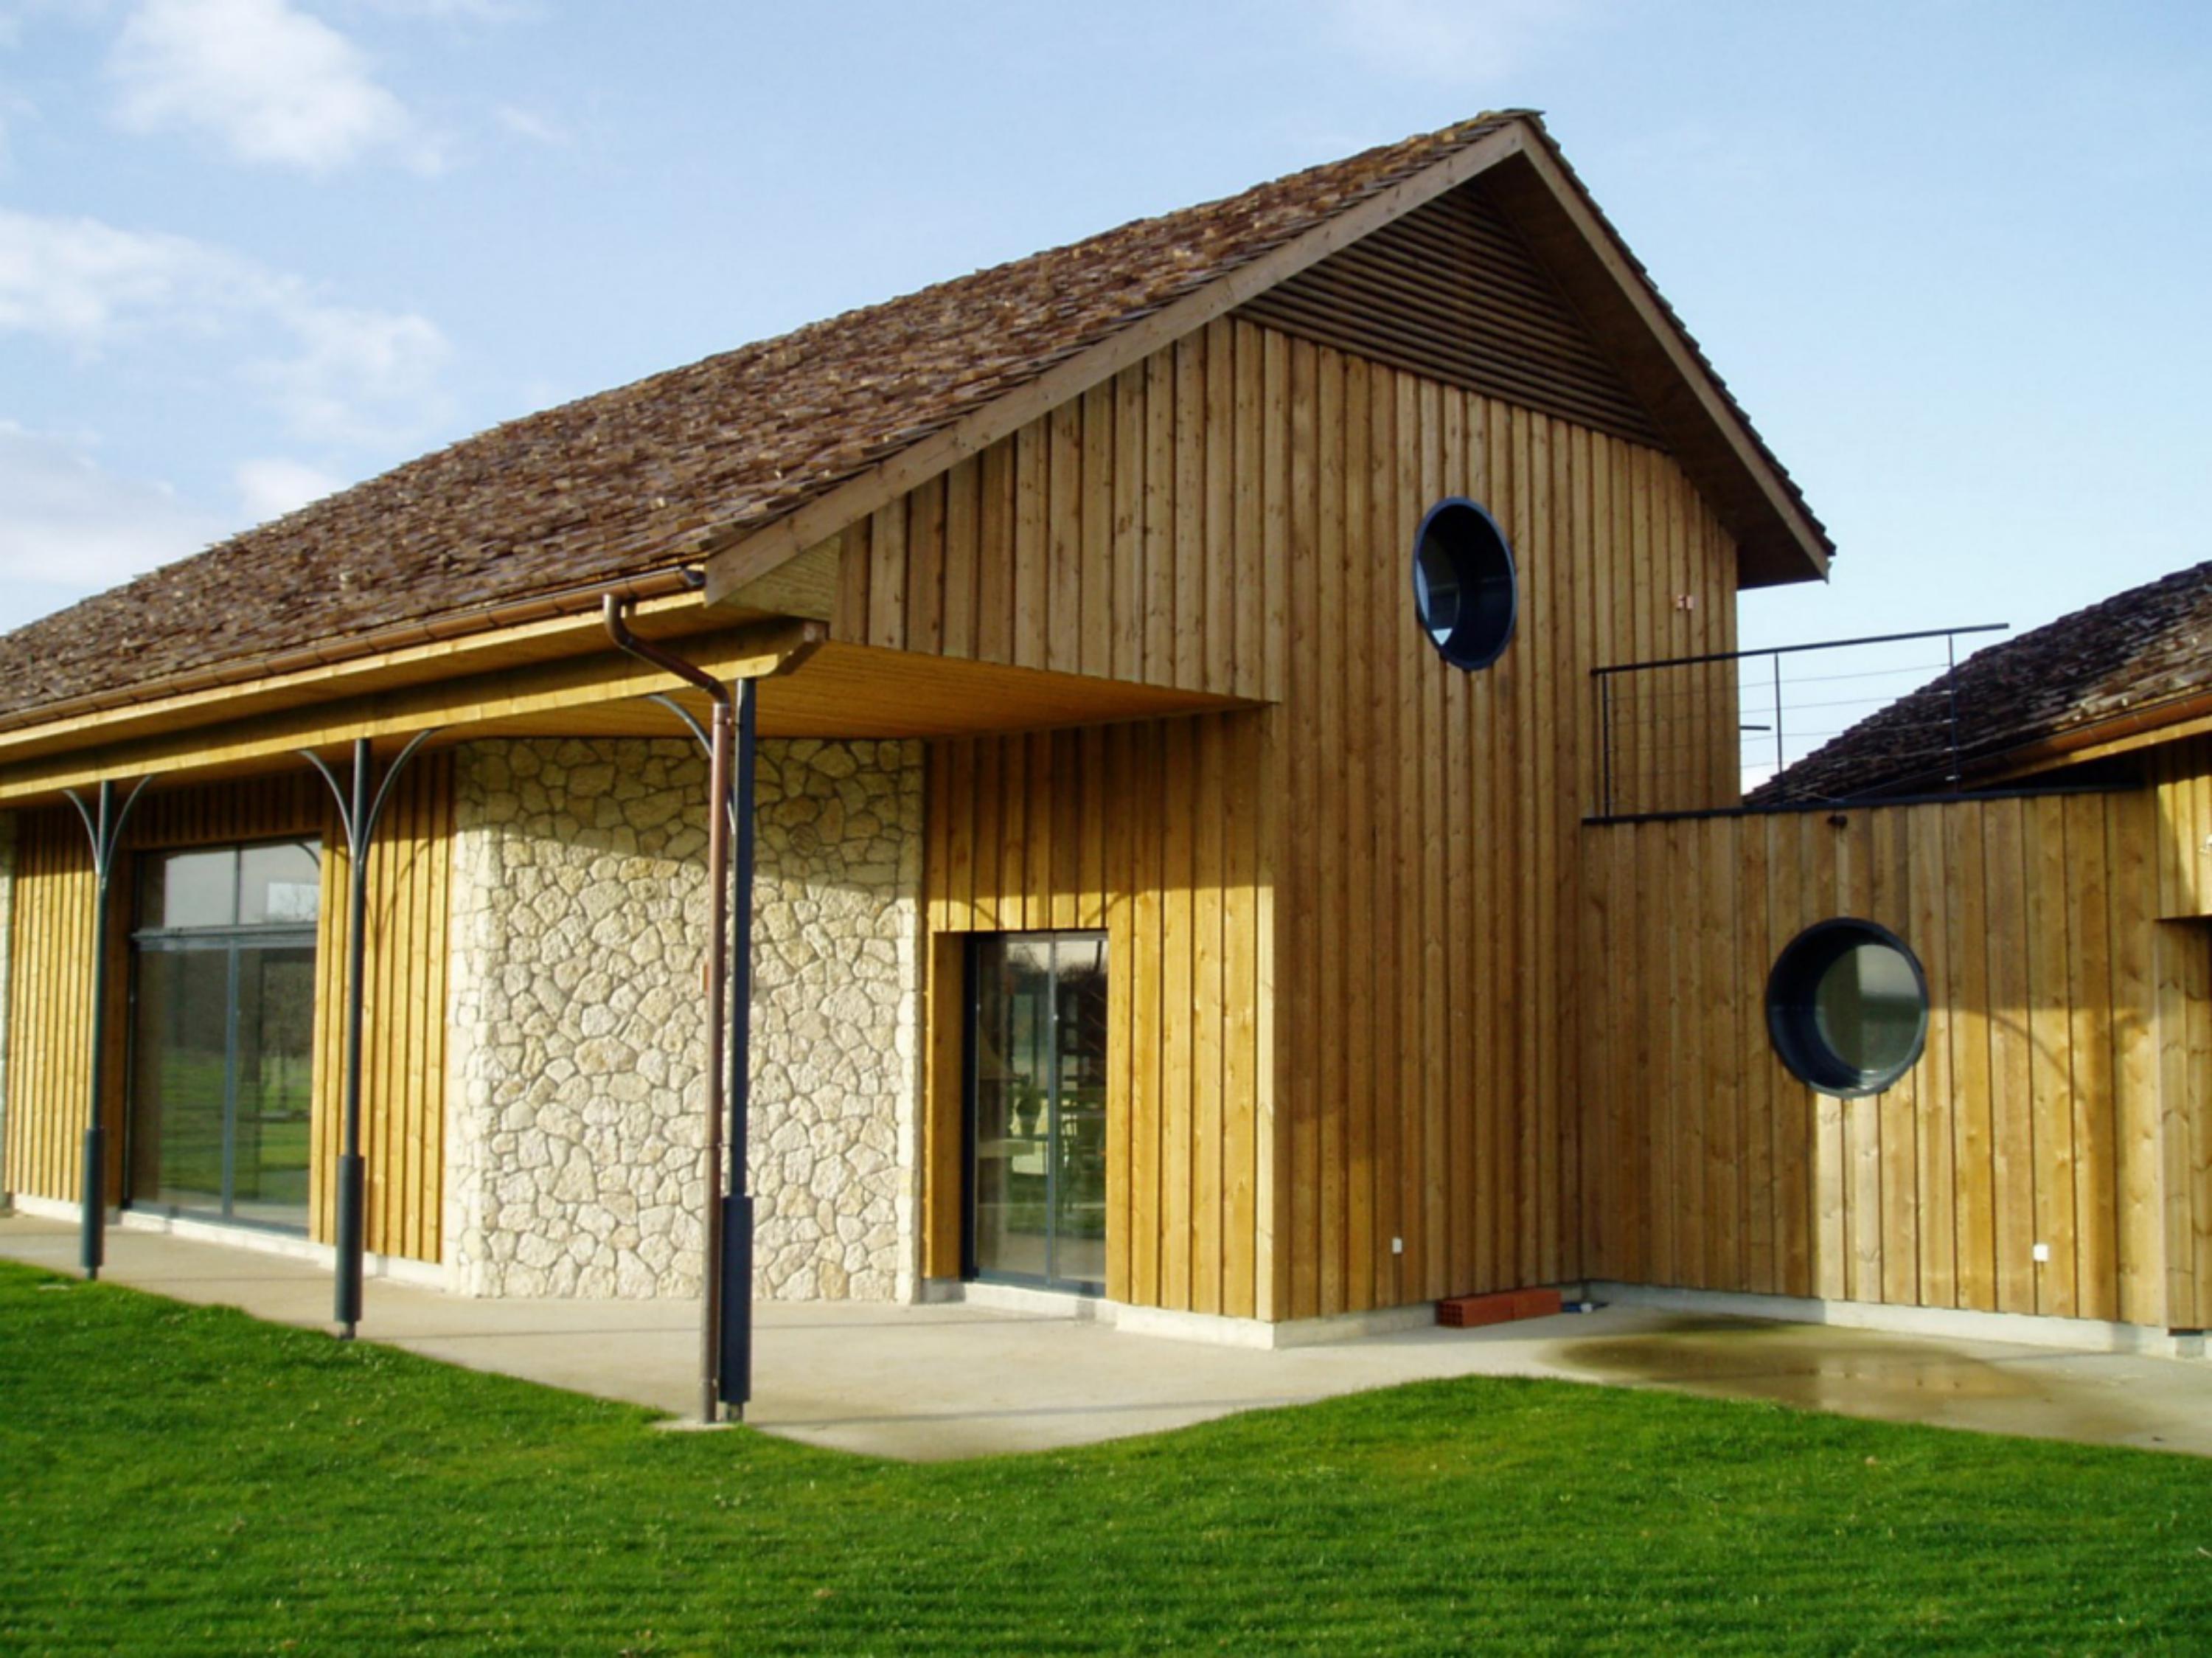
x,y
179,1479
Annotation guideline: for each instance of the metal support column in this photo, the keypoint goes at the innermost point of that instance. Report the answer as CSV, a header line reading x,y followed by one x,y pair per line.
x,y
736,1369
104,823
359,811
726,1320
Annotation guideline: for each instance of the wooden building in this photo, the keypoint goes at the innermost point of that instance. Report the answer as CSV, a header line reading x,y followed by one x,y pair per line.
x,y
1179,884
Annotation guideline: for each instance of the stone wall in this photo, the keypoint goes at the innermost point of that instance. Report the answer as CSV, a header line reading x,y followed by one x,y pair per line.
x,y
575,1089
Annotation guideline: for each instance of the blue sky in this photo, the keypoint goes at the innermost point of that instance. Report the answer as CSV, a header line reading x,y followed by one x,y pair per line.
x,y
1952,256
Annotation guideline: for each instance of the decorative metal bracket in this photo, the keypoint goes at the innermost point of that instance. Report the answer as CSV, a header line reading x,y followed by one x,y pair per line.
x,y
359,813
104,824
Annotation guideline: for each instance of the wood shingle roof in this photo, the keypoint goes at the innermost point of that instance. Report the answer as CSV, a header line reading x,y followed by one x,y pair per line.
x,y
2142,657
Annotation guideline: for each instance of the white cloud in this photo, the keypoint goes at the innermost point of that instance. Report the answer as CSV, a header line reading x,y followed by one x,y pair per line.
x,y
273,486
84,282
525,124
1470,40
74,526
275,85
337,373
454,11
355,373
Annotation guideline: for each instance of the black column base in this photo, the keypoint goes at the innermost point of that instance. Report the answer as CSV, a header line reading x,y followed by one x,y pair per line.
x,y
350,1192
91,1242
734,1386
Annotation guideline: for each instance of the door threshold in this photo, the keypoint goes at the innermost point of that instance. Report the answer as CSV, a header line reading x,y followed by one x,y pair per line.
x,y
1033,1299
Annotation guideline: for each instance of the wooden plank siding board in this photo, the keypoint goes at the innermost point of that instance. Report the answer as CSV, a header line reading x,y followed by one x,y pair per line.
x,y
404,1056
1300,962
1935,1182
1464,1168
1353,850
2128,827
1386,902
1323,639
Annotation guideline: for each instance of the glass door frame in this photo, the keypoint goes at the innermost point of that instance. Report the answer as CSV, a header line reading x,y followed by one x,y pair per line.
x,y
971,1021
229,941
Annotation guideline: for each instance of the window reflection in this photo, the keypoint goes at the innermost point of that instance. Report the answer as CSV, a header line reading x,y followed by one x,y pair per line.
x,y
1038,1109
222,1028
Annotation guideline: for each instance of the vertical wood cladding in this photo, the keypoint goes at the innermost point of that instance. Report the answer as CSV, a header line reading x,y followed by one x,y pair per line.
x,y
404,1064
1153,832
1237,513
1116,536
2060,1055
1427,911
2181,775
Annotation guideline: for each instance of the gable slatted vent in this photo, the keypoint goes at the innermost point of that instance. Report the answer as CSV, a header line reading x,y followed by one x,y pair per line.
x,y
1451,291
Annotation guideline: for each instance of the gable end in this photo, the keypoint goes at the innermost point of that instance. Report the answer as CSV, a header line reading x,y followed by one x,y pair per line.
x,y
1452,292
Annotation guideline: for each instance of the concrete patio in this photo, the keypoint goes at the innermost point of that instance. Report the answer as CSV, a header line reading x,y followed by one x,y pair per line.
x,y
946,1381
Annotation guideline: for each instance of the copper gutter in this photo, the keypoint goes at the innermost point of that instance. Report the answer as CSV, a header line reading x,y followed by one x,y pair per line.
x,y
2111,727
2006,764
579,601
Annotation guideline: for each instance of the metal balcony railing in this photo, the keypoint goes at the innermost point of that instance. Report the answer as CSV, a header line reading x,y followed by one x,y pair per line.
x,y
1698,733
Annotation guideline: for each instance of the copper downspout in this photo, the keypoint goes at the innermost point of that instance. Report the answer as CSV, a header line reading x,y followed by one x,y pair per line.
x,y
717,974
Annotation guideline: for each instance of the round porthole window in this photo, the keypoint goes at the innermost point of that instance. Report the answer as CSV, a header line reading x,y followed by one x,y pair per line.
x,y
1465,590
1847,1007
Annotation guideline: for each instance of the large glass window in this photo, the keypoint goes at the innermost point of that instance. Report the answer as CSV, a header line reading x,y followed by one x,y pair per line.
x,y
1847,1007
222,1027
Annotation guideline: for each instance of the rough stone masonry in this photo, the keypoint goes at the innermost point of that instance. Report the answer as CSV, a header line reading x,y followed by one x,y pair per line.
x,y
575,1093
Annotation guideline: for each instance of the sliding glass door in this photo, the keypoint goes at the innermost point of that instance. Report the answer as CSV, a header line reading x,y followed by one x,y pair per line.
x,y
222,1027
1036,1186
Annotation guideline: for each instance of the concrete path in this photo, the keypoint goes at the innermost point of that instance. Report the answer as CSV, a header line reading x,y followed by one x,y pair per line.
x,y
933,1383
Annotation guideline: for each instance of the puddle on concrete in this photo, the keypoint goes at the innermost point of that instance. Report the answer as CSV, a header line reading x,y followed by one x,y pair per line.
x,y
1857,1373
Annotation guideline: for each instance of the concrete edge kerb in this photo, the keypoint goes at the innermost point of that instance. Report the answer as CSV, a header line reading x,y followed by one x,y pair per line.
x,y
395,1269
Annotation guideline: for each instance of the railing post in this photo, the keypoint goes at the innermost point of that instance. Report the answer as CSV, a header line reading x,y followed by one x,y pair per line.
x,y
1779,766
1951,691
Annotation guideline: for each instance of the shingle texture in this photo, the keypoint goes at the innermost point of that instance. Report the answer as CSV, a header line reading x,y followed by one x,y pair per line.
x,y
2125,655
629,481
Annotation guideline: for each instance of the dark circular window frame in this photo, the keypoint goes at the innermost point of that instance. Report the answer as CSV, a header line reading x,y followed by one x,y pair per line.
x,y
1791,989
1460,648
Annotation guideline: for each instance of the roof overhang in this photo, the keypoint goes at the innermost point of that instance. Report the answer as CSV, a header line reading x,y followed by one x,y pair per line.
x,y
572,683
